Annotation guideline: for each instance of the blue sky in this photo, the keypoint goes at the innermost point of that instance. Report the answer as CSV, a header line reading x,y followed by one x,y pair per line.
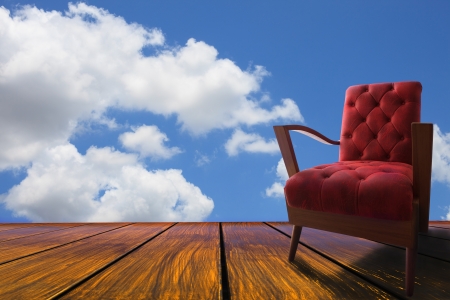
x,y
163,110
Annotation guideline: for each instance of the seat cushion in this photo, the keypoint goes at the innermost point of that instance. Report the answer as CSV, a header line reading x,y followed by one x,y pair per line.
x,y
375,189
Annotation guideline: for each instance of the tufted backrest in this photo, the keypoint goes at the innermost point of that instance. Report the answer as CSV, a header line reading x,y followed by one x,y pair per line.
x,y
376,123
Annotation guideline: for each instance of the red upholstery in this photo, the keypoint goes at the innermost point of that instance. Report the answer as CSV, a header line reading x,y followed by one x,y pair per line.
x,y
376,123
373,177
365,188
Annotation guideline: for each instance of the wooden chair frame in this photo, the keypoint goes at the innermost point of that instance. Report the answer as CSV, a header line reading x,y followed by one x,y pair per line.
x,y
400,233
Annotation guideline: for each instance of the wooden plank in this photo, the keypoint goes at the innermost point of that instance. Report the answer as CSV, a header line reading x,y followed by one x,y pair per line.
x,y
258,268
435,247
181,263
9,226
32,230
42,275
437,232
381,264
441,224
17,248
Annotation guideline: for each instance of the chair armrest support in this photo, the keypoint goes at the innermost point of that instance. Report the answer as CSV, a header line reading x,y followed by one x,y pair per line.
x,y
287,149
422,153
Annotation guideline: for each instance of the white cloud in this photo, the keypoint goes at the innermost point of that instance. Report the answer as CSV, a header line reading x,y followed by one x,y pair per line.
x,y
254,143
65,186
277,188
57,69
201,159
148,141
441,156
441,159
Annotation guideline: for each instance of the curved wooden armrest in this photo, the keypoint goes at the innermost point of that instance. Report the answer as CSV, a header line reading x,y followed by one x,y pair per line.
x,y
285,143
312,134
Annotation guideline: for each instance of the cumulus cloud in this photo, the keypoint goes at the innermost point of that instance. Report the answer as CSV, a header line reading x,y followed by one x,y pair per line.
x,y
103,186
249,142
148,141
57,69
60,70
276,190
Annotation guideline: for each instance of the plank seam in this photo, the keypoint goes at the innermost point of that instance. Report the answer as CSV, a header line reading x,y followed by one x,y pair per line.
x,y
349,269
419,253
223,268
101,269
25,236
34,253
437,226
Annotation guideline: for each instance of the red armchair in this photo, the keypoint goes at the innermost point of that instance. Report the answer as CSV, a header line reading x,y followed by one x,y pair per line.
x,y
380,187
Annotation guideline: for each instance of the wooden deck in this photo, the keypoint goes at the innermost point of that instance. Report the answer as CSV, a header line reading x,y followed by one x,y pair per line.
x,y
211,261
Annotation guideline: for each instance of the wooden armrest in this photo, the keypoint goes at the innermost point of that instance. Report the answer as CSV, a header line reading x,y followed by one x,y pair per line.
x,y
285,143
422,154
312,134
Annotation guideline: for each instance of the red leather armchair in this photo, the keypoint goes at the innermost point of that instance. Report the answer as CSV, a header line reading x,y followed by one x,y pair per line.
x,y
380,187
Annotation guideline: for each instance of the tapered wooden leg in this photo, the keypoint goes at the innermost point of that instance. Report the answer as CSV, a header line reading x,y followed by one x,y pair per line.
x,y
411,257
295,237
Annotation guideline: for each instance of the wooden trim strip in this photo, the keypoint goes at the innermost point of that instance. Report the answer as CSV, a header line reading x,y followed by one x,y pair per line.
x,y
31,254
104,267
393,232
422,153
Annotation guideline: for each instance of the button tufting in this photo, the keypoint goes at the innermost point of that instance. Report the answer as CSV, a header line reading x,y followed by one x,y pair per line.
x,y
402,138
375,136
352,104
364,119
403,102
360,154
349,136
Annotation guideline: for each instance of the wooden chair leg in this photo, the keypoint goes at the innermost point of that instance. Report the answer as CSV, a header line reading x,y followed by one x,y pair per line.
x,y
411,257
296,231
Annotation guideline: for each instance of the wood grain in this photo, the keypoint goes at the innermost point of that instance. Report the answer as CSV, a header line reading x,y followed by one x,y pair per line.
x,y
14,249
440,224
42,275
381,264
181,263
32,230
258,269
9,226
438,232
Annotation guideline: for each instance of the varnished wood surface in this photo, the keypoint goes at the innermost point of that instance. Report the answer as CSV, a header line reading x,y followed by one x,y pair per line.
x,y
181,263
13,249
47,273
21,232
200,261
257,266
381,264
